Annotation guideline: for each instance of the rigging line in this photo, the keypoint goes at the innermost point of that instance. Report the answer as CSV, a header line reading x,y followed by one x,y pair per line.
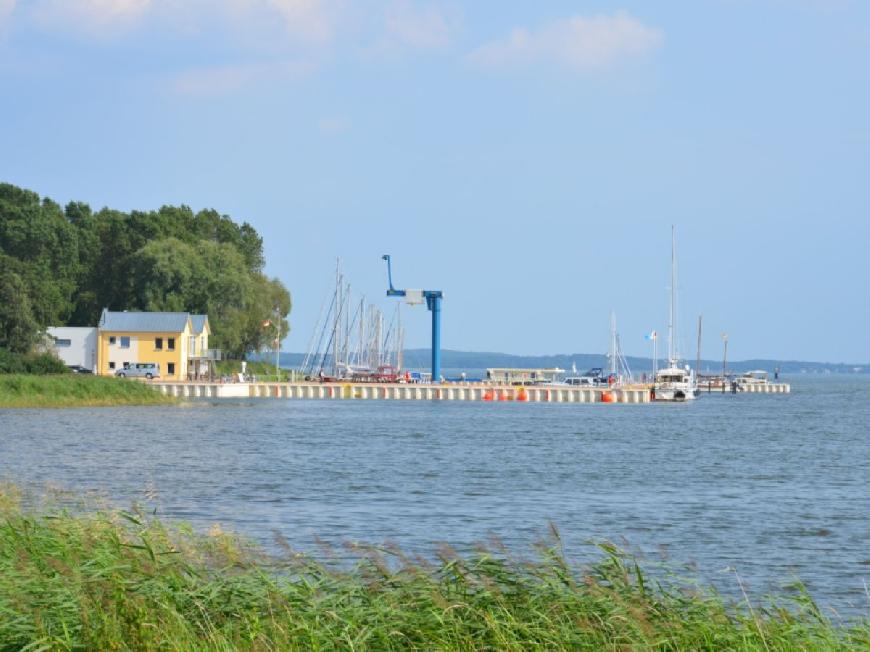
x,y
317,325
321,353
350,327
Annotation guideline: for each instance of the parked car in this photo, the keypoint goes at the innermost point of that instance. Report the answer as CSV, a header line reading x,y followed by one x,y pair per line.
x,y
147,370
78,369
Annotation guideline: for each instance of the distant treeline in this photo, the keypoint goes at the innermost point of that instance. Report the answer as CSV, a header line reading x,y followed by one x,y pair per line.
x,y
469,360
62,266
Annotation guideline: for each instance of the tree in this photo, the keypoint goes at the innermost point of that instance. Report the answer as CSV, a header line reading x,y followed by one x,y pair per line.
x,y
72,263
19,330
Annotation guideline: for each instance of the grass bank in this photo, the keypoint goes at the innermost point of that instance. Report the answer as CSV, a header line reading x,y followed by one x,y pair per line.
x,y
75,390
263,370
116,580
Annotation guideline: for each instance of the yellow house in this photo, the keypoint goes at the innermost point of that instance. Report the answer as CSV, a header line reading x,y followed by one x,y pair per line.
x,y
176,341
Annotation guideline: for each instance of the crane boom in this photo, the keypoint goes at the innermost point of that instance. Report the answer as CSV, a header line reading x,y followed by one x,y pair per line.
x,y
433,303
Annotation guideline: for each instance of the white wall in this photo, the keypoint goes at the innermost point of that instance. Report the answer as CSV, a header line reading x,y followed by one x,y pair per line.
x,y
82,349
119,355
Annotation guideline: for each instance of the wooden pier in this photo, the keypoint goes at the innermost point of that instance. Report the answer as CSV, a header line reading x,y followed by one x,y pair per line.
x,y
406,392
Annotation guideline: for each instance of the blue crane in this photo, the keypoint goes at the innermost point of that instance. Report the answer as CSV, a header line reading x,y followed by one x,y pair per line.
x,y
433,303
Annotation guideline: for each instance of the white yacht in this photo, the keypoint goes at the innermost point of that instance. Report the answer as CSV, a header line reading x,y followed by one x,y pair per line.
x,y
757,377
674,383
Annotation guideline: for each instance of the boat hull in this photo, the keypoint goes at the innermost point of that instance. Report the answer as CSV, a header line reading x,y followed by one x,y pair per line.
x,y
675,394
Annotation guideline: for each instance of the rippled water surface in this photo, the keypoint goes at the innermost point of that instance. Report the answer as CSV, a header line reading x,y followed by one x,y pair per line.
x,y
774,486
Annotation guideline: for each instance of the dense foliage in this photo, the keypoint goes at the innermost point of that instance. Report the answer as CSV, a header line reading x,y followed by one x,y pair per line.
x,y
122,581
62,266
30,363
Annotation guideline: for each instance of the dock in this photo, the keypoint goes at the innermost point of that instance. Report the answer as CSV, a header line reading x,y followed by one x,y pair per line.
x,y
405,392
765,388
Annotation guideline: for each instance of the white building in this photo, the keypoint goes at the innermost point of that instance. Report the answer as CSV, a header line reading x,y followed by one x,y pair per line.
x,y
75,345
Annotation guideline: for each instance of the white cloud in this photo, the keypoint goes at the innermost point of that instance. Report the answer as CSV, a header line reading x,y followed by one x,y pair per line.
x,y
425,28
6,8
92,16
307,20
223,80
578,42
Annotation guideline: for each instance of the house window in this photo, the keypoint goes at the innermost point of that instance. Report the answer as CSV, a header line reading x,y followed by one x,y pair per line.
x,y
158,343
170,343
125,342
192,345
111,339
170,368
126,365
111,365
63,343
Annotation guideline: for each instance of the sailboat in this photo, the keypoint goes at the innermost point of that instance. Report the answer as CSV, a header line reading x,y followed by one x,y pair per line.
x,y
674,383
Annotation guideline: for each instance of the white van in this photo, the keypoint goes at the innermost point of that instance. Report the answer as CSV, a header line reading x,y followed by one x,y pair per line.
x,y
147,370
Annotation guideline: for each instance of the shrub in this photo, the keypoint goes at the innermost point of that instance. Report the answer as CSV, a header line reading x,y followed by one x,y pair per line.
x,y
30,363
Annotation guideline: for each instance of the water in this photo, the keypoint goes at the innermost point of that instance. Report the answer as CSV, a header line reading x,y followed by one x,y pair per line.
x,y
773,486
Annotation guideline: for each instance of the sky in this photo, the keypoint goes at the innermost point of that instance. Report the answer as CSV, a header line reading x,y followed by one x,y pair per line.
x,y
526,158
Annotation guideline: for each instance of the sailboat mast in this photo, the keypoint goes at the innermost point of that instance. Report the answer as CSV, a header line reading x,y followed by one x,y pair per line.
x,y
672,327
613,369
336,326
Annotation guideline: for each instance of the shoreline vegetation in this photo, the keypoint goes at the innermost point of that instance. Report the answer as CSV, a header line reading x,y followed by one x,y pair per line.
x,y
76,390
111,579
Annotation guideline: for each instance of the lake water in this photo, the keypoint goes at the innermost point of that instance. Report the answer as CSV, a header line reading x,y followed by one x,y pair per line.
x,y
773,486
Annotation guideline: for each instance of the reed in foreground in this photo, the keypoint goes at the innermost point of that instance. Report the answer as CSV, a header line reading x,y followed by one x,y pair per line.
x,y
116,580
75,390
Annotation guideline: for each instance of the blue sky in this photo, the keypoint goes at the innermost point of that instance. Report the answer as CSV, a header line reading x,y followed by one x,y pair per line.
x,y
526,158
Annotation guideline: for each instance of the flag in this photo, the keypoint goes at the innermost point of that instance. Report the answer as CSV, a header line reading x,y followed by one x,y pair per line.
x,y
651,336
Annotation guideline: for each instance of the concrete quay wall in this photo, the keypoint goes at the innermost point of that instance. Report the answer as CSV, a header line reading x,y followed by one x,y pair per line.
x,y
405,392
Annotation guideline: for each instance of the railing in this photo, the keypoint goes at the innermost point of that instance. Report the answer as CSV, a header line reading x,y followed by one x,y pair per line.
x,y
207,354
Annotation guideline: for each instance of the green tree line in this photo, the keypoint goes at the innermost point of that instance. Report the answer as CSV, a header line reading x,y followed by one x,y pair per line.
x,y
62,266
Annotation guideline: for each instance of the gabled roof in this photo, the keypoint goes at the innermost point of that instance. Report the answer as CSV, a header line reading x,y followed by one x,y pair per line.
x,y
198,323
143,322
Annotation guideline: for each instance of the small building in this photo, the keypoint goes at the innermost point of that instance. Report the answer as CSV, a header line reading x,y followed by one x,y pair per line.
x,y
177,341
76,346
514,376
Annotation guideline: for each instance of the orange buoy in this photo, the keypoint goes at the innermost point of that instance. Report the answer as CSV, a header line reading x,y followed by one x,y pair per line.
x,y
608,397
521,396
487,395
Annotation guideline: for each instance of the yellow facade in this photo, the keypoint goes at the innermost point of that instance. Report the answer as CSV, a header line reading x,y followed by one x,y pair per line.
x,y
174,351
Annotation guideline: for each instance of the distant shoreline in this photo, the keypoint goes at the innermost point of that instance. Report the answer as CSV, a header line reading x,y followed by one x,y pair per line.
x,y
453,359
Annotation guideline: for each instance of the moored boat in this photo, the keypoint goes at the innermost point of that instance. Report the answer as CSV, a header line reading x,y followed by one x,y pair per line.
x,y
674,383
752,378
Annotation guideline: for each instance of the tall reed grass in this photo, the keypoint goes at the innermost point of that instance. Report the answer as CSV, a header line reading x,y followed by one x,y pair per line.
x,y
114,580
75,390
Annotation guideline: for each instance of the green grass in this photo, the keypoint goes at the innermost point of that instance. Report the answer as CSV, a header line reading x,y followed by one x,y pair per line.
x,y
75,390
264,371
110,580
